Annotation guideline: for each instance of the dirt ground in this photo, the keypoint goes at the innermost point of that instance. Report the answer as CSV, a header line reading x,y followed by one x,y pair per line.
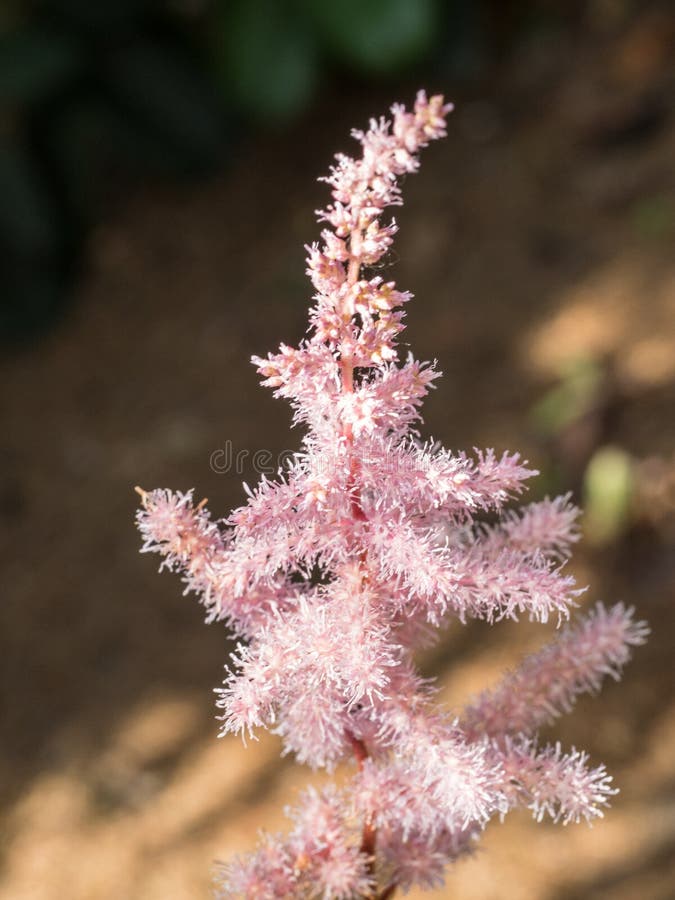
x,y
539,233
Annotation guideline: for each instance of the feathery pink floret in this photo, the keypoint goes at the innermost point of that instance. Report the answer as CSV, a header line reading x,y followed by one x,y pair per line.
x,y
420,859
336,572
548,527
547,683
267,874
221,572
319,858
552,783
332,647
184,534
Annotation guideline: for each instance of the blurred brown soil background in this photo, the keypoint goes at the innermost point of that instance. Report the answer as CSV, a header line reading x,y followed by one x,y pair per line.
x,y
539,233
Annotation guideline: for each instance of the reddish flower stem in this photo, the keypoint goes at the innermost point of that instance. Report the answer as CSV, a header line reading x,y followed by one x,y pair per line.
x,y
359,748
369,834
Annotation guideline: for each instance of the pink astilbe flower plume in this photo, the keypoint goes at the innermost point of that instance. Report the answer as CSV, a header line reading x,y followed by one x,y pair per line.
x,y
369,540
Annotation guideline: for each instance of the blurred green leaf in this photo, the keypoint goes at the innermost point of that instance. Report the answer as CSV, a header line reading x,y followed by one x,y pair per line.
x,y
35,63
377,35
654,217
170,98
266,57
608,490
27,220
571,398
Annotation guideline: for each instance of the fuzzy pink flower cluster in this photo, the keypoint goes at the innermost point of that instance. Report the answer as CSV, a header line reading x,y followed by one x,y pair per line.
x,y
369,540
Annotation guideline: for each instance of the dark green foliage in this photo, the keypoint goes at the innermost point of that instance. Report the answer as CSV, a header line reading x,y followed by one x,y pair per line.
x,y
266,57
93,94
35,62
378,36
